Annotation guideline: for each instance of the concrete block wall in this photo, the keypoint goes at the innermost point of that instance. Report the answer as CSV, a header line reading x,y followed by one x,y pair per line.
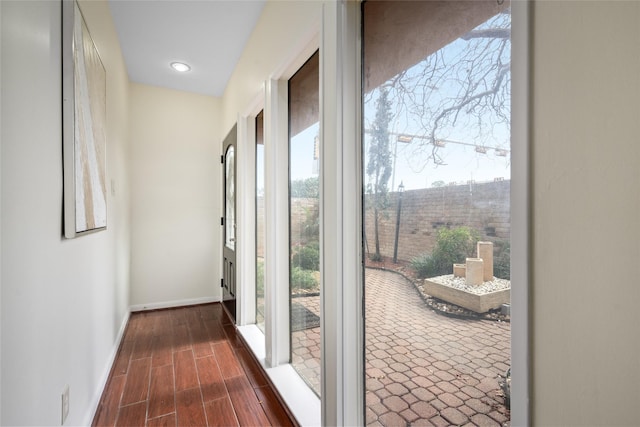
x,y
482,206
302,210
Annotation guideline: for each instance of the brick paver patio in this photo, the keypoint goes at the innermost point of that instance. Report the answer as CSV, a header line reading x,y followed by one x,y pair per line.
x,y
421,368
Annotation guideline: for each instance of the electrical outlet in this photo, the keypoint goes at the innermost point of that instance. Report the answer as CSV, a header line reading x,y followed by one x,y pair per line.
x,y
65,403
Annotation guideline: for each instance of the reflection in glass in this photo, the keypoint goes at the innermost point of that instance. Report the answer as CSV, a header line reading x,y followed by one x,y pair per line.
x,y
436,173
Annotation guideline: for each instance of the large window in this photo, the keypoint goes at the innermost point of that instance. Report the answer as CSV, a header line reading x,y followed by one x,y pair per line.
x,y
416,154
436,174
304,222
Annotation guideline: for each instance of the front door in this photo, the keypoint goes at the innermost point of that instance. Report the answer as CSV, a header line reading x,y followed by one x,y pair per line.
x,y
229,224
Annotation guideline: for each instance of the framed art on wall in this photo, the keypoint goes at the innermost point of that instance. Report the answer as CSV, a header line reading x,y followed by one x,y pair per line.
x,y
84,133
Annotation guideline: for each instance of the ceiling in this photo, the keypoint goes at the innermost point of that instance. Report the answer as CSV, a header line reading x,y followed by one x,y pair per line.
x,y
208,35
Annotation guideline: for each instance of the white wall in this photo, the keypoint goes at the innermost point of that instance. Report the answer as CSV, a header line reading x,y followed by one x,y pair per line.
x,y
176,197
63,301
585,294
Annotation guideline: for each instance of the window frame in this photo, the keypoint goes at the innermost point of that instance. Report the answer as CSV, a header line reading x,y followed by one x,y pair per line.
x,y
520,212
342,331
245,212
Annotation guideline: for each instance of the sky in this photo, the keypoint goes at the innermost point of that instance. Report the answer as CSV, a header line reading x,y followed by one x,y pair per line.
x,y
462,163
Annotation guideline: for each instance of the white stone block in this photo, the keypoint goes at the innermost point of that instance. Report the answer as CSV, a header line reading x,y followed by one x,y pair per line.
x,y
459,270
485,252
474,271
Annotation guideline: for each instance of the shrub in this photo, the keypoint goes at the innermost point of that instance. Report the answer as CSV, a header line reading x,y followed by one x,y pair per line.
x,y
260,277
307,257
424,266
453,246
502,260
303,279
311,225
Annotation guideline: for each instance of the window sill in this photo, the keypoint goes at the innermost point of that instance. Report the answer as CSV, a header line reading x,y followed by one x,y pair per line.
x,y
300,399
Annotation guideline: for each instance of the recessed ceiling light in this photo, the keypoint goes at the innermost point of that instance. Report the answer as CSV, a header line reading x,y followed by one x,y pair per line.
x,y
180,67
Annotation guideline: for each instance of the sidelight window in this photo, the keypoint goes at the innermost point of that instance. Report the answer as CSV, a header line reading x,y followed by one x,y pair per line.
x,y
304,212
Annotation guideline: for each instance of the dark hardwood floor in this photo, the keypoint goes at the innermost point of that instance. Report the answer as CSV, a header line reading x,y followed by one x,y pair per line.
x,y
187,367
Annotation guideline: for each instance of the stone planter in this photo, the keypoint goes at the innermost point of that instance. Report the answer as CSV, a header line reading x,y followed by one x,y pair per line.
x,y
480,303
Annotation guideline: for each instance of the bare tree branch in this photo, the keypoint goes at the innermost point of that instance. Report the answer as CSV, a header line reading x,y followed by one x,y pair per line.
x,y
469,83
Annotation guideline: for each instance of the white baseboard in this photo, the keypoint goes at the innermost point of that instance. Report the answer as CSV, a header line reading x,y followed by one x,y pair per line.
x,y
169,304
102,383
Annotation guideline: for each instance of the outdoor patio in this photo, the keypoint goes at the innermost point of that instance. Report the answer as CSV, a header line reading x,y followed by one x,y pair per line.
x,y
422,368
